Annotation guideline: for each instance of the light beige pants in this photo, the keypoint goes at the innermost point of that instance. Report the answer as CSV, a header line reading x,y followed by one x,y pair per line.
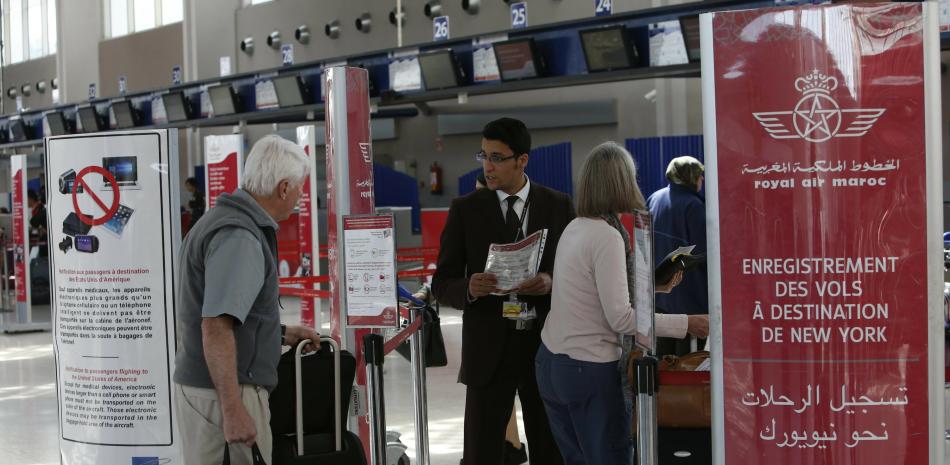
x,y
201,431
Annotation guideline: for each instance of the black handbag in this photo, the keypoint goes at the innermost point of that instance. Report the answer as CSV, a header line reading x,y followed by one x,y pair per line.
x,y
255,453
433,345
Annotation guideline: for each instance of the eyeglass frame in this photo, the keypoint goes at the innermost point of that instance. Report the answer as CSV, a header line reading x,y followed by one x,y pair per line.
x,y
494,158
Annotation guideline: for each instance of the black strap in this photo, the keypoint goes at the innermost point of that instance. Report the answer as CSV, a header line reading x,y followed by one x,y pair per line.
x,y
255,455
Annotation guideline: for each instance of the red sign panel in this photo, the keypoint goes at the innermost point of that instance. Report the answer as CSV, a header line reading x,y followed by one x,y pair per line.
x,y
819,117
21,247
349,187
223,177
356,187
309,261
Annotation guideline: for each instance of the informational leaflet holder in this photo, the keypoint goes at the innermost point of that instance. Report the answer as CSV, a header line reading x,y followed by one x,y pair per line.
x,y
643,284
370,266
224,162
513,264
823,162
114,228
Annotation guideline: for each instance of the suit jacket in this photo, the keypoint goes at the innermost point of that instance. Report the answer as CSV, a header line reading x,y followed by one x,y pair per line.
x,y
475,221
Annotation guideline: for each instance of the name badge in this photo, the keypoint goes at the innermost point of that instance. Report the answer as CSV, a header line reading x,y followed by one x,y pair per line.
x,y
512,308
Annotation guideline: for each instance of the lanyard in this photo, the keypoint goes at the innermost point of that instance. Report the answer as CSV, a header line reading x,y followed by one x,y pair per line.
x,y
524,213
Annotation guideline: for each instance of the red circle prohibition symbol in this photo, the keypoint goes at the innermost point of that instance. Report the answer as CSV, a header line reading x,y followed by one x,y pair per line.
x,y
109,210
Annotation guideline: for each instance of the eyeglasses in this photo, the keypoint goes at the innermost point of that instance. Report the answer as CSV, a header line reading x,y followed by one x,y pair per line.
x,y
494,158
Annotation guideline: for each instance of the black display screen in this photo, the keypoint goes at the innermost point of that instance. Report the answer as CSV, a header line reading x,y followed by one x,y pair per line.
x,y
290,91
89,119
517,59
124,114
176,107
689,26
56,122
223,100
606,48
439,70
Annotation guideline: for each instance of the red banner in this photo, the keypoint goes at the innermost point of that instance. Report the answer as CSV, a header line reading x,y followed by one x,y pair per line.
x,y
222,177
307,228
820,159
224,161
21,243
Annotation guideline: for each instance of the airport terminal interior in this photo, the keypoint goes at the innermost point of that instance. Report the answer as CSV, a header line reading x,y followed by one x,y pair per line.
x,y
408,87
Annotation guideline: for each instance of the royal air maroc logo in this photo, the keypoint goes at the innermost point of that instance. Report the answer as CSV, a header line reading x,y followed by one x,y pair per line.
x,y
817,117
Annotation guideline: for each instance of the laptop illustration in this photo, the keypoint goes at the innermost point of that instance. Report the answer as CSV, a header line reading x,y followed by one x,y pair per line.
x,y
124,170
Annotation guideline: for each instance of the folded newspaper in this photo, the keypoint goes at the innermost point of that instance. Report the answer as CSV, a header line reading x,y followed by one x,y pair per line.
x,y
513,264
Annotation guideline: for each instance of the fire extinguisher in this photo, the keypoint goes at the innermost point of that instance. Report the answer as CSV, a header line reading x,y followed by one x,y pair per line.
x,y
435,179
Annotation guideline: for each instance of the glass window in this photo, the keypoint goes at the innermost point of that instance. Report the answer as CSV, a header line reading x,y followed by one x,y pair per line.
x,y
144,13
16,31
34,15
118,18
172,11
258,2
51,25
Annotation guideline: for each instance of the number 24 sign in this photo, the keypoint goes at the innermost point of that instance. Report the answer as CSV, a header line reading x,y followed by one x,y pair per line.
x,y
603,7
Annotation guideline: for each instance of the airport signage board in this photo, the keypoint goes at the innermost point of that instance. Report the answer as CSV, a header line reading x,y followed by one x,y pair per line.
x,y
114,230
823,171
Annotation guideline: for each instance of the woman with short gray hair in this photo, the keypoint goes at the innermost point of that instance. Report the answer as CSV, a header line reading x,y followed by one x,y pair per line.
x,y
591,308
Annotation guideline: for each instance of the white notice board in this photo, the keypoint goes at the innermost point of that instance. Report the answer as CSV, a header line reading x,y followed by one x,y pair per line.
x,y
643,283
370,266
115,231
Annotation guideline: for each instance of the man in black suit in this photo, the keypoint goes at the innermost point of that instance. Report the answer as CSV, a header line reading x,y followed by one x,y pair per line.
x,y
498,352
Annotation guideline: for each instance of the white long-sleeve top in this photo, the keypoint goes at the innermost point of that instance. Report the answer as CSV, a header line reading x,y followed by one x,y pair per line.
x,y
590,301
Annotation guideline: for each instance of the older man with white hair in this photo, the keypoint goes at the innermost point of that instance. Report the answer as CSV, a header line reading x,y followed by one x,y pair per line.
x,y
229,331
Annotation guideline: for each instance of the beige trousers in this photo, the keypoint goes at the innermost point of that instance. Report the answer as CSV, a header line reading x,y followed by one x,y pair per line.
x,y
200,425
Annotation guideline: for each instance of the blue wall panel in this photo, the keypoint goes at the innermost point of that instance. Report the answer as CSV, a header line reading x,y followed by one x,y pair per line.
x,y
395,189
550,166
653,154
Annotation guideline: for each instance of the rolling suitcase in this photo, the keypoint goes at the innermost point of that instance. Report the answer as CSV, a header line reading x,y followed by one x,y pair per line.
x,y
308,408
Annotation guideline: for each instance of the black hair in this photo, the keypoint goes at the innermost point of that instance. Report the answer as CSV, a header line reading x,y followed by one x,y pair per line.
x,y
511,132
192,181
32,195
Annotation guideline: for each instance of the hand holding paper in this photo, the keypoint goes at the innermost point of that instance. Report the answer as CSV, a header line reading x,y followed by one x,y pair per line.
x,y
538,285
680,259
482,284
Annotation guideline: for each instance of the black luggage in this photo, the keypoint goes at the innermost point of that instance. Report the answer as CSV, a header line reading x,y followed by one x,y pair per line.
x,y
308,408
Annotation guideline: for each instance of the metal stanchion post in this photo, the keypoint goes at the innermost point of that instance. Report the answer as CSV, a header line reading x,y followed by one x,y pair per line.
x,y
647,384
373,353
418,372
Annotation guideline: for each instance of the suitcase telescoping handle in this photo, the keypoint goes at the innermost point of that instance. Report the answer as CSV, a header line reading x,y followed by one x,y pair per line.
x,y
255,454
336,392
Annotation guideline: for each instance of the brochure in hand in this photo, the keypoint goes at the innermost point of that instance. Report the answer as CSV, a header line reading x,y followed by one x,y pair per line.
x,y
513,264
679,259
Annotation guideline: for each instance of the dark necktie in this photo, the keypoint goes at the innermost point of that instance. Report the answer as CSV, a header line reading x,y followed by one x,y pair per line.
x,y
511,218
